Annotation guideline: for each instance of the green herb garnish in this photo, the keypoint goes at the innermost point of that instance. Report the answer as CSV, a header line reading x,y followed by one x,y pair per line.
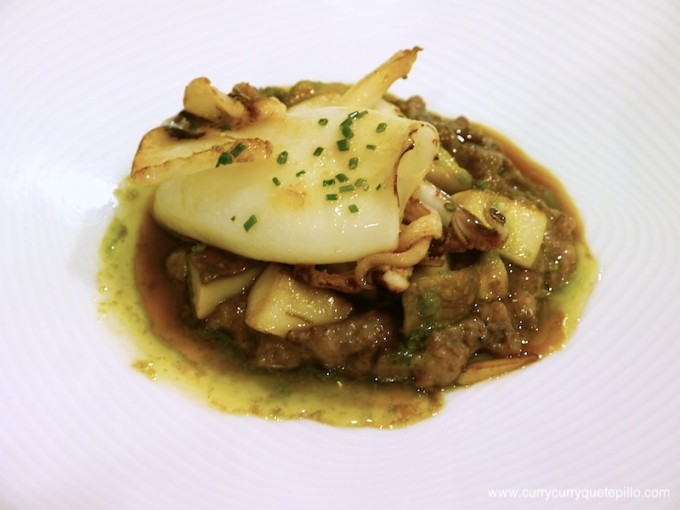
x,y
237,149
346,131
224,159
282,158
250,222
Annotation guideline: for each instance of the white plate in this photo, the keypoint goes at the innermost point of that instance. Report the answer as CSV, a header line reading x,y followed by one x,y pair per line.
x,y
588,88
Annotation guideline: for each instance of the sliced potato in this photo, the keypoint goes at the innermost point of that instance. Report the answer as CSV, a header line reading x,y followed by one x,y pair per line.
x,y
526,226
278,303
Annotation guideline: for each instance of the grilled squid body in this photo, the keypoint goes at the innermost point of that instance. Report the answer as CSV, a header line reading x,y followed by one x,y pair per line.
x,y
323,182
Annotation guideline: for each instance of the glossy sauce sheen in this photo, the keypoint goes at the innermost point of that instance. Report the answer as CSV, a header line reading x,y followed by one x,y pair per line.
x,y
136,259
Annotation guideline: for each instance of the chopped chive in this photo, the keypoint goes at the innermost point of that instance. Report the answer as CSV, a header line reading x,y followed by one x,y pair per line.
x,y
346,187
318,151
198,248
381,127
450,206
342,178
343,144
357,114
353,163
276,181
282,158
353,208
237,149
378,187
362,183
370,146
233,218
332,196
328,182
323,122
250,222
224,159
346,131
300,173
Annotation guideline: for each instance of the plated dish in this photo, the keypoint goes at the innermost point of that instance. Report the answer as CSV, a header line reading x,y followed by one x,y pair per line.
x,y
587,89
332,239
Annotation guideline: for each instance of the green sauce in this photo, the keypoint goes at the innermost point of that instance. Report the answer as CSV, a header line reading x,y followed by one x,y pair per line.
x,y
132,294
200,370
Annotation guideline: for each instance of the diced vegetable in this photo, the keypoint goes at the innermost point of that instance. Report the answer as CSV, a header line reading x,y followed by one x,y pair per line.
x,y
206,296
526,227
449,175
278,303
525,224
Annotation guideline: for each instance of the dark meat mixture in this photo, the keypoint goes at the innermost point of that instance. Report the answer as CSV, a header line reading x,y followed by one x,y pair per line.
x,y
376,341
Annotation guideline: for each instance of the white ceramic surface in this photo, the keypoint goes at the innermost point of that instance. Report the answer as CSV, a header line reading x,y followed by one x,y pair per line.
x,y
588,88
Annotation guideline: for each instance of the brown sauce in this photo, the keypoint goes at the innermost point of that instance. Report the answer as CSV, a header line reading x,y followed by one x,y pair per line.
x,y
136,289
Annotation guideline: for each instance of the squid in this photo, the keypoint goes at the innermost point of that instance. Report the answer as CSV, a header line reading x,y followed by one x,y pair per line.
x,y
320,183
